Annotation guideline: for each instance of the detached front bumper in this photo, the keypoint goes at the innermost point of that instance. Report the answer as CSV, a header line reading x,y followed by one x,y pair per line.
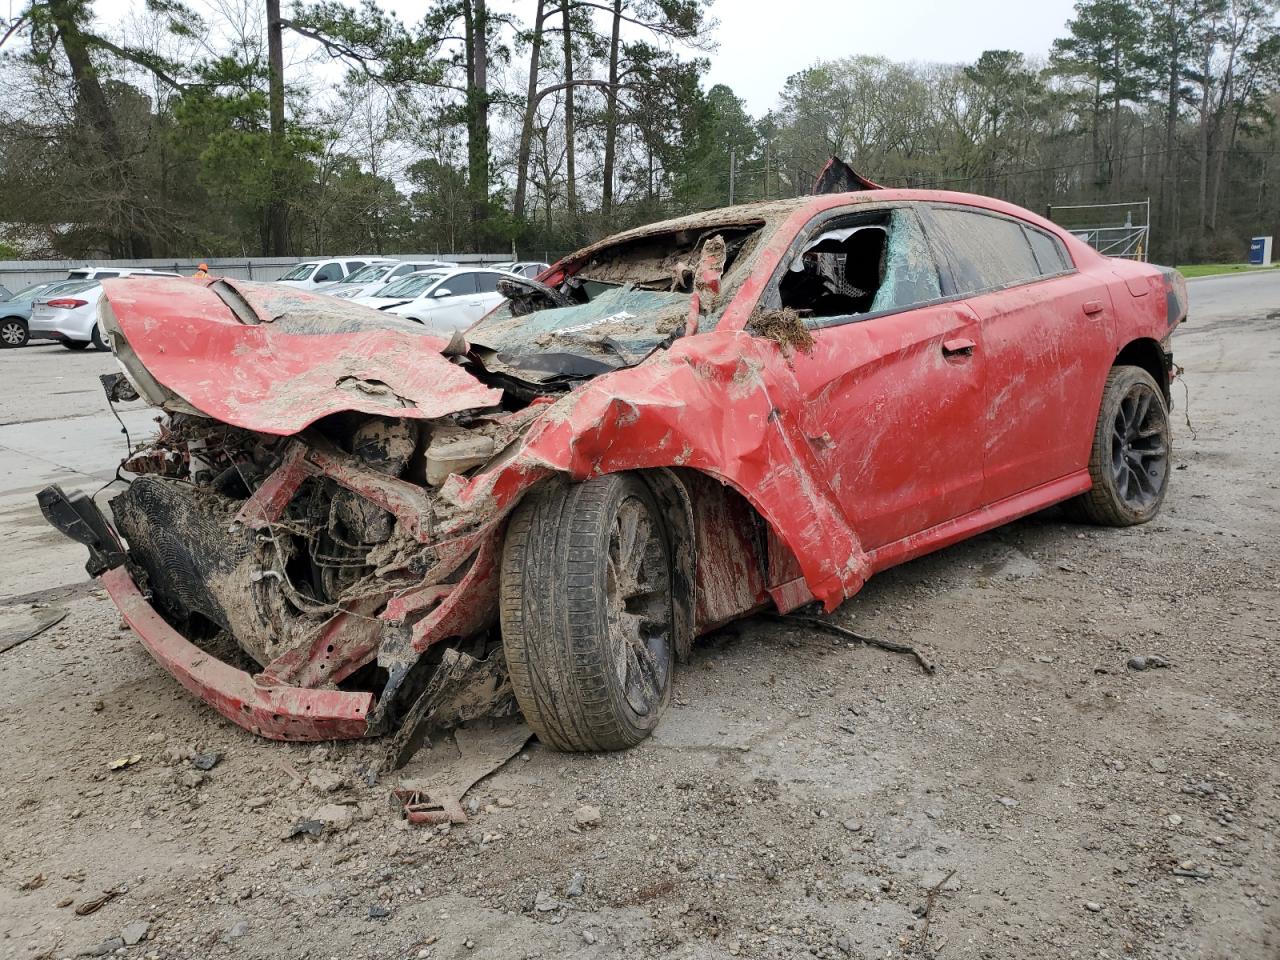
x,y
276,712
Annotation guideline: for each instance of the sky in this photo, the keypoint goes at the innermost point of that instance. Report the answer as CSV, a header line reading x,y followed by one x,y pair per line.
x,y
762,42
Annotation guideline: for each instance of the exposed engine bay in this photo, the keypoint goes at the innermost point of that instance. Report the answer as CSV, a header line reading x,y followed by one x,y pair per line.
x,y
266,590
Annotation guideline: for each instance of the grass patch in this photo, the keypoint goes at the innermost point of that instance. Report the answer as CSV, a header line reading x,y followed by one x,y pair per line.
x,y
1212,269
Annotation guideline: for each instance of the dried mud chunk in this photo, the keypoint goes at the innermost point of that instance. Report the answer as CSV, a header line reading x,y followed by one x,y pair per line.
x,y
783,327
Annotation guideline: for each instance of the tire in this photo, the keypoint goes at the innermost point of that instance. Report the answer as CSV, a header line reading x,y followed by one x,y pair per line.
x,y
588,624
13,332
96,338
1129,462
75,344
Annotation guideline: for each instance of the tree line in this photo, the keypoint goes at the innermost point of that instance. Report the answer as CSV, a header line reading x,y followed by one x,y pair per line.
x,y
247,129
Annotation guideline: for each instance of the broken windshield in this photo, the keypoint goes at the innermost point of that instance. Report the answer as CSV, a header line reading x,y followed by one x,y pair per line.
x,y
612,308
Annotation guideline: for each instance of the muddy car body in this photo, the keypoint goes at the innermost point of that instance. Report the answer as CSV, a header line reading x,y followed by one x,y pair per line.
x,y
753,407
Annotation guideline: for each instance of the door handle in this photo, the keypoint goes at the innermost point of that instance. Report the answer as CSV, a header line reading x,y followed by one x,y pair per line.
x,y
1092,307
960,347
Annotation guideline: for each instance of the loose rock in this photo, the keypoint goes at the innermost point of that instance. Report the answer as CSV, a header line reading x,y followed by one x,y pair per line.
x,y
104,948
206,761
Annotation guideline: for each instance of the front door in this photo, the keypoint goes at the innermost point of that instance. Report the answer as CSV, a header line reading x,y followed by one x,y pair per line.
x,y
894,382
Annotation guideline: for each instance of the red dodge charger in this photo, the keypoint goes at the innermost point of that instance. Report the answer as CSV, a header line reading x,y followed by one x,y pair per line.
x,y
346,526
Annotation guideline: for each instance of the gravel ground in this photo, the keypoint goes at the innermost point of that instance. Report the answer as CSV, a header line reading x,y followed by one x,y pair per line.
x,y
1036,797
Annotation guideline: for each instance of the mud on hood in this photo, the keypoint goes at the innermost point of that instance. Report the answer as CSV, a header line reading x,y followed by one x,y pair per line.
x,y
273,359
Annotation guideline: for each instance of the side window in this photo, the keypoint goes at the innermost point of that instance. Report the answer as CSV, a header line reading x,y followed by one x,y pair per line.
x,y
867,263
105,274
487,282
461,284
328,273
1050,254
354,265
986,252
402,270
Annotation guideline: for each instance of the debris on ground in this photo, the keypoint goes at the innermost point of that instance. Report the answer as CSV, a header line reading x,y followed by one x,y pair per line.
x,y
93,906
927,911
128,761
1149,662
462,688
206,761
817,622
587,816
135,933
35,883
11,637
436,795
305,827
105,947
325,781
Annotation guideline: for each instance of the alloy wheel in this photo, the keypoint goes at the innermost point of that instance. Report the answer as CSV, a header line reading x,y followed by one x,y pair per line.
x,y
1140,447
638,589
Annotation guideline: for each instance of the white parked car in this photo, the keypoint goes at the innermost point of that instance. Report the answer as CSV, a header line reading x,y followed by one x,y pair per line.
x,y
366,281
526,268
105,273
69,312
442,301
15,312
313,274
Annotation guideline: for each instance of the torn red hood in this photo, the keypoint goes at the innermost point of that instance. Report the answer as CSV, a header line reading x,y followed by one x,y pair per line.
x,y
275,360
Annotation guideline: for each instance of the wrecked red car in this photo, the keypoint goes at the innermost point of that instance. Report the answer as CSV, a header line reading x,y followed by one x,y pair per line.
x,y
344,523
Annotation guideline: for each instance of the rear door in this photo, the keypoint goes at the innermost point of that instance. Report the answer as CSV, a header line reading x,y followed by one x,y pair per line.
x,y
893,386
487,285
1046,332
470,303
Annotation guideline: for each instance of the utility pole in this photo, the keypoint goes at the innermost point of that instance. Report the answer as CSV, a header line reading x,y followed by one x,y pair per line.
x,y
277,219
732,163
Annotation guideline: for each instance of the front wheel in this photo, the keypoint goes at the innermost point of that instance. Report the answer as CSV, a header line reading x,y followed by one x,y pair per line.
x,y
587,612
13,332
96,338
75,344
1130,460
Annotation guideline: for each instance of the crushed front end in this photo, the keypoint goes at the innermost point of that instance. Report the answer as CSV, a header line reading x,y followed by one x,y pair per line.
x,y
305,581
302,585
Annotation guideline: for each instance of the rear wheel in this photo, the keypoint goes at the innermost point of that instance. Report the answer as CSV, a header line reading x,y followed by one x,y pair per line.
x,y
1130,460
587,612
13,332
75,344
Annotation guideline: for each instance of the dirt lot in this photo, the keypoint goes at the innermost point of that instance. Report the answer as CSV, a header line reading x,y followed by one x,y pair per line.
x,y
801,798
